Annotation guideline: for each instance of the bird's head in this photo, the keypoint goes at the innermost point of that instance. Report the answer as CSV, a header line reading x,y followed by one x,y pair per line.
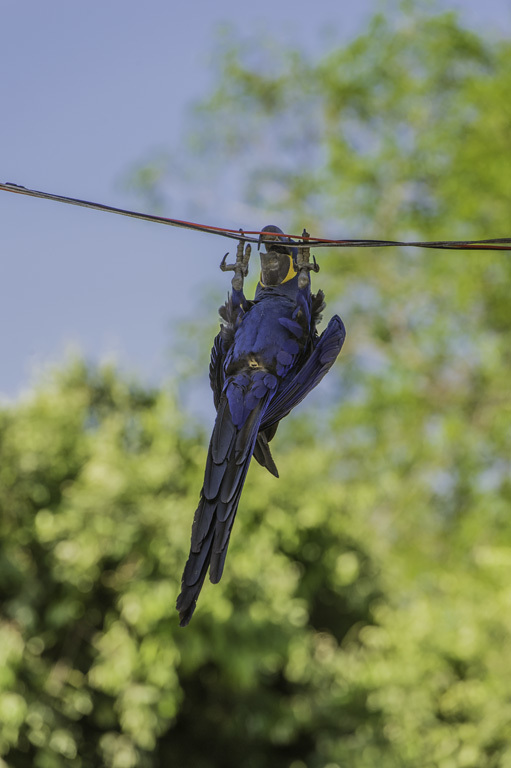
x,y
277,261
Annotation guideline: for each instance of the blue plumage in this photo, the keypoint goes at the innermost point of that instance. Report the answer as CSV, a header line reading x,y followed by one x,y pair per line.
x,y
265,360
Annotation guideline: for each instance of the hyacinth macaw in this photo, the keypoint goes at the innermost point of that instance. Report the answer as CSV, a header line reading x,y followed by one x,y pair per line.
x,y
265,360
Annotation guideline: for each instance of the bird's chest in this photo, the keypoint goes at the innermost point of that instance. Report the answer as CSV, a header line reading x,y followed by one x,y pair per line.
x,y
261,336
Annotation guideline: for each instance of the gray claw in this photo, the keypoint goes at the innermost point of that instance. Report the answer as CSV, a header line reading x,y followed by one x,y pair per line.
x,y
303,265
240,268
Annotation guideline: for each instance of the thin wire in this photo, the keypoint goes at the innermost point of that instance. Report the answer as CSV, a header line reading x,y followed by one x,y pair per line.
x,y
252,236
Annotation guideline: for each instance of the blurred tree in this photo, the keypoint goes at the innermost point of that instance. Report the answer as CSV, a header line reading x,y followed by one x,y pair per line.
x,y
368,621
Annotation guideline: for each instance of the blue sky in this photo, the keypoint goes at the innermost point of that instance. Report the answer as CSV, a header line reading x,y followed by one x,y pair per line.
x,y
86,91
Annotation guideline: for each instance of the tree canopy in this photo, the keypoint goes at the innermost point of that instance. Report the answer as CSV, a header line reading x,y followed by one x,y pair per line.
x,y
364,615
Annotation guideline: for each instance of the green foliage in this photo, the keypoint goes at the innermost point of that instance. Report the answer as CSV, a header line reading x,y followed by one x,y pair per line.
x,y
364,616
97,489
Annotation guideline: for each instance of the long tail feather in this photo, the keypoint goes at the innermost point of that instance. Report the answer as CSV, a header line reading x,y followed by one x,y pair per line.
x,y
262,454
230,452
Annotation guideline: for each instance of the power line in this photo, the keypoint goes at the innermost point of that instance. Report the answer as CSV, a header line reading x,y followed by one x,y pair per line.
x,y
252,236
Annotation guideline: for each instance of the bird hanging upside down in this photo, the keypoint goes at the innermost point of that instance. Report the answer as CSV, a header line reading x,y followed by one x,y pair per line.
x,y
265,360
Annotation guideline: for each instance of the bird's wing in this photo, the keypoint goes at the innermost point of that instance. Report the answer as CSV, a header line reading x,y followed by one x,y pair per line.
x,y
216,368
231,316
297,385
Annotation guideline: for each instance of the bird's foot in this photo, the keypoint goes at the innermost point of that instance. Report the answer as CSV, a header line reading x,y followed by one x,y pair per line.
x,y
240,268
303,264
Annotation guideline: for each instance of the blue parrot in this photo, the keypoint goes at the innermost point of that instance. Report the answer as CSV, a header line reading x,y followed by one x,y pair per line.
x,y
265,360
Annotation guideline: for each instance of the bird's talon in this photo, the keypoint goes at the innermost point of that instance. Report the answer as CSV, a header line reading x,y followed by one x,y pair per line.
x,y
240,268
246,258
239,249
303,264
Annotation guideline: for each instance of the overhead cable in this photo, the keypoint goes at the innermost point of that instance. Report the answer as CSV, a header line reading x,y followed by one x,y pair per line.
x,y
252,236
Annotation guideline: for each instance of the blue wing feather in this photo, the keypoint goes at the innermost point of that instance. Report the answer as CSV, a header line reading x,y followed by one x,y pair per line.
x,y
299,383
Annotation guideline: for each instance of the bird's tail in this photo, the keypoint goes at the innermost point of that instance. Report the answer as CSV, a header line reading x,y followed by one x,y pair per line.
x,y
230,450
